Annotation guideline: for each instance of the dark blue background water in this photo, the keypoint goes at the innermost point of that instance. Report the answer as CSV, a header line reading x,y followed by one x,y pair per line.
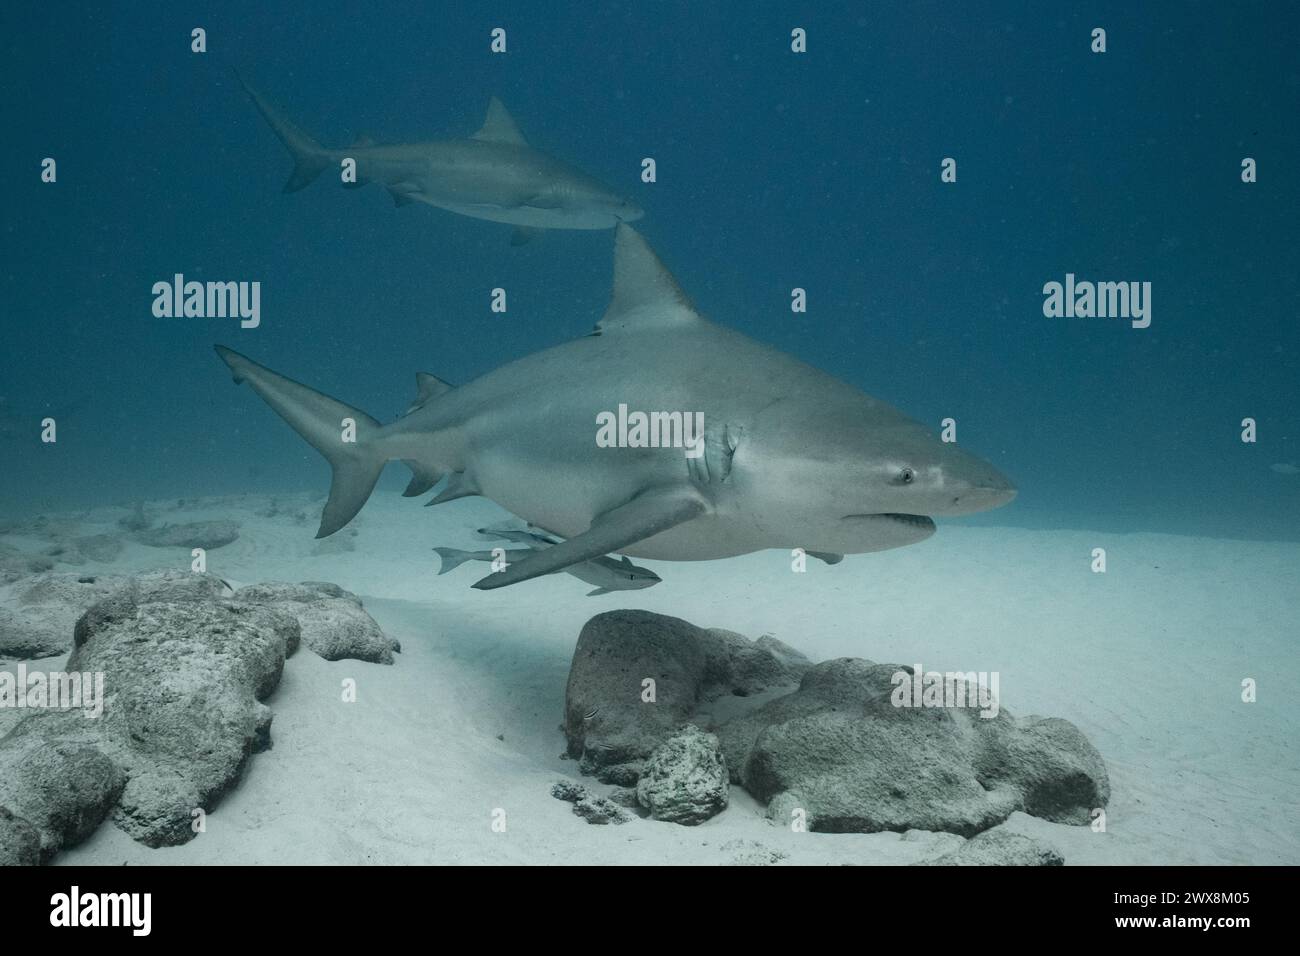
x,y
775,171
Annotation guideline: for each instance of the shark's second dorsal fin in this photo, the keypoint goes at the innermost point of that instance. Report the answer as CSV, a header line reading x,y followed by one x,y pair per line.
x,y
499,127
645,292
427,387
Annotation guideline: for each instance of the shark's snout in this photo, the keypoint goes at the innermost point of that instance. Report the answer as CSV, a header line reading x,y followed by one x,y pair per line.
x,y
985,493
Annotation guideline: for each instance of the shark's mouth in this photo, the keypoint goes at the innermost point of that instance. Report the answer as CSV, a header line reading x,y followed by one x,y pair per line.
x,y
914,521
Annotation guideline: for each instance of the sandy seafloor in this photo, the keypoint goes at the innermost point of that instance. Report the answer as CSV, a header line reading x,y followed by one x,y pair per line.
x,y
1146,659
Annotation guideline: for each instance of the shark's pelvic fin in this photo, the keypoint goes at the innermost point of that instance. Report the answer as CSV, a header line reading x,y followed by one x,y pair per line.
x,y
459,485
523,234
645,292
643,517
499,126
309,157
346,436
422,478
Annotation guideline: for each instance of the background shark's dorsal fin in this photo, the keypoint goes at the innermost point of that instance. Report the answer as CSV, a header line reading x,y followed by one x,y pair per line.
x,y
428,387
499,127
363,140
645,292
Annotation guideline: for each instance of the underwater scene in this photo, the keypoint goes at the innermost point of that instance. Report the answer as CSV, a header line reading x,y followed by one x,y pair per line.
x,y
650,433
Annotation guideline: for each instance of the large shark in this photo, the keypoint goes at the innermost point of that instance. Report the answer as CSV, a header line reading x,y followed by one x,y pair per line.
x,y
790,457
492,175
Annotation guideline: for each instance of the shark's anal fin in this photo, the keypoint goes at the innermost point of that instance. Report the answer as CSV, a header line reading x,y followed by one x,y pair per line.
x,y
645,516
459,485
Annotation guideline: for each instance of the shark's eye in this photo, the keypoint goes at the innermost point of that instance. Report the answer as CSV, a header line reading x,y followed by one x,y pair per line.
x,y
906,476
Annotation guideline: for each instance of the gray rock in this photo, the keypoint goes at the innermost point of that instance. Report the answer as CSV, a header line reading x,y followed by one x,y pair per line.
x,y
182,712
607,723
61,786
752,853
591,807
182,718
334,624
999,847
38,612
208,535
839,751
685,778
20,843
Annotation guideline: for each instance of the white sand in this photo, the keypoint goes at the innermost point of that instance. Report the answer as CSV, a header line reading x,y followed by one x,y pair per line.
x,y
1146,659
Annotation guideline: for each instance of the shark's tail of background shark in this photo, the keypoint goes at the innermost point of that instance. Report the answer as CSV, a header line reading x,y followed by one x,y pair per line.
x,y
309,157
452,558
346,436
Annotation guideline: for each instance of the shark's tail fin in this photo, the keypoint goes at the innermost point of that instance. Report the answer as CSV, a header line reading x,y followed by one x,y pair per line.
x,y
346,436
309,157
452,558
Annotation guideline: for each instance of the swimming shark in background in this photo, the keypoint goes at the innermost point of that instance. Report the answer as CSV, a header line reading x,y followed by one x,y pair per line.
x,y
606,573
790,457
492,175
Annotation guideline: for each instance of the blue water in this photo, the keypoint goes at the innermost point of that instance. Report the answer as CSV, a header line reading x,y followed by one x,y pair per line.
x,y
775,170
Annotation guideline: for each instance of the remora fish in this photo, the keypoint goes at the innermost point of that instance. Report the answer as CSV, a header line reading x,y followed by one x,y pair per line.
x,y
492,175
792,456
606,573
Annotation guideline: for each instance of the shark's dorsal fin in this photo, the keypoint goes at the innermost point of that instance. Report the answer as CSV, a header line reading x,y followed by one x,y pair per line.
x,y
645,292
363,140
499,127
428,387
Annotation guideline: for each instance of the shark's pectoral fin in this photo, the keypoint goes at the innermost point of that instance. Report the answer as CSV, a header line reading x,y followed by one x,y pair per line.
x,y
523,234
403,193
599,591
645,516
830,557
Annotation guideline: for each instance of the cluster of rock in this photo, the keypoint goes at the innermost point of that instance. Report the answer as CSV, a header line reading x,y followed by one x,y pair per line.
x,y
186,665
62,543
38,611
823,743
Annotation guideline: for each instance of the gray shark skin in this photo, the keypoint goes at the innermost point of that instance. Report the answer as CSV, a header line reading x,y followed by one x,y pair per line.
x,y
493,175
792,457
605,573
